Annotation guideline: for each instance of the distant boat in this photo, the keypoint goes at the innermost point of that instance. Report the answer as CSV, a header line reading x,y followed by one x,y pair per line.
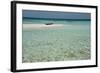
x,y
49,24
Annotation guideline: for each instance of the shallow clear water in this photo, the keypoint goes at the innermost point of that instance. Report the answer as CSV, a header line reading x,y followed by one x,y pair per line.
x,y
72,42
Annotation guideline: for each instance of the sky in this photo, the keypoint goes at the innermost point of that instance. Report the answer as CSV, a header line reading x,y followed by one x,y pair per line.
x,y
55,14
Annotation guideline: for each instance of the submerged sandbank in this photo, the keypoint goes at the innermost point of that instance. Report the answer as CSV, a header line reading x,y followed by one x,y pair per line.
x,y
40,26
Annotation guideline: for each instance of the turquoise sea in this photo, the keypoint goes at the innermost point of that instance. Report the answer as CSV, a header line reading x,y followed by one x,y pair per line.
x,y
72,42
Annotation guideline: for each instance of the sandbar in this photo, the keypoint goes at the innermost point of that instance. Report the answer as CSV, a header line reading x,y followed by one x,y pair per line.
x,y
40,26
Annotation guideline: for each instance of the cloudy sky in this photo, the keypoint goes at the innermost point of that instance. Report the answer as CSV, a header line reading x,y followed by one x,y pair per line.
x,y
55,14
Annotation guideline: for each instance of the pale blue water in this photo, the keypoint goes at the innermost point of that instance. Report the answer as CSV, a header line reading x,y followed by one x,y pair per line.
x,y
43,21
72,42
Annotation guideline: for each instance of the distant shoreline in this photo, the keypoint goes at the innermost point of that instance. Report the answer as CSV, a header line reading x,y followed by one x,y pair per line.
x,y
58,19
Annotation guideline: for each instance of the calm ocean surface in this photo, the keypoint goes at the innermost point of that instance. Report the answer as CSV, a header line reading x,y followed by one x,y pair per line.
x,y
72,42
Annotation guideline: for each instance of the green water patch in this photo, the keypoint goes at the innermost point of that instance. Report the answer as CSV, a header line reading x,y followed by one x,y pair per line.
x,y
68,43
